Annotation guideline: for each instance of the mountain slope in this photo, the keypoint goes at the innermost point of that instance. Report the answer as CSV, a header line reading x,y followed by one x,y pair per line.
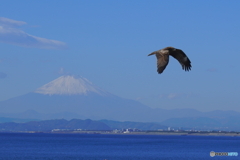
x,y
79,97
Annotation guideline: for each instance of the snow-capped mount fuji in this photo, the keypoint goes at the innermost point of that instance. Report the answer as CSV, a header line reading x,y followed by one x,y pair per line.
x,y
70,85
75,97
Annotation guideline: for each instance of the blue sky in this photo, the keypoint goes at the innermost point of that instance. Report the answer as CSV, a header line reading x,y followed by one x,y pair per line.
x,y
108,41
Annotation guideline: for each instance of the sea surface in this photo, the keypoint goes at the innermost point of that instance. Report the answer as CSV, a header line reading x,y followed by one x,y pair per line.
x,y
36,146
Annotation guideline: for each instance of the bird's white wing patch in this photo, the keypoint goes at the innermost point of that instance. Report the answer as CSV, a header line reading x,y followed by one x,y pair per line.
x,y
164,51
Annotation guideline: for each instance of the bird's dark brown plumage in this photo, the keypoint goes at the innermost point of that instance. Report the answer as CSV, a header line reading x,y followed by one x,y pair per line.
x,y
163,58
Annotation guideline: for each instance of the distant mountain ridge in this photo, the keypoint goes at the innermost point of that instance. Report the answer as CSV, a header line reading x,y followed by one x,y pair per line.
x,y
137,125
76,124
71,97
200,123
49,125
205,123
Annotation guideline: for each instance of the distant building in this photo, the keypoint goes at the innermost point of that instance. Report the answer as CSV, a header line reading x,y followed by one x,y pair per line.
x,y
131,130
127,131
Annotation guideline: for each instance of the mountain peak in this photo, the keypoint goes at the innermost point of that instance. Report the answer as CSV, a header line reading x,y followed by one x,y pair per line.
x,y
69,85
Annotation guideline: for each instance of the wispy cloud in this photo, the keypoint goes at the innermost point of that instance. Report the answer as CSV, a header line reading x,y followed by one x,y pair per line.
x,y
11,33
139,98
3,75
170,96
211,70
62,71
10,22
177,95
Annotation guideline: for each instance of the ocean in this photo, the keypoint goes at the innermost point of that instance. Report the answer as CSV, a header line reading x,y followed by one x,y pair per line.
x,y
41,146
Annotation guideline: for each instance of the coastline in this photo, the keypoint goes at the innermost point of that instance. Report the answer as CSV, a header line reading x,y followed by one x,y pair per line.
x,y
166,133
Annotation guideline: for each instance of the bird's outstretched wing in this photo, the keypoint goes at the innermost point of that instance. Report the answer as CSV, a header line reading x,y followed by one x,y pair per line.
x,y
182,59
162,61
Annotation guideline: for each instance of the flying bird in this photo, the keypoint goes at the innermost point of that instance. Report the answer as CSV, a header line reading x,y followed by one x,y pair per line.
x,y
163,58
